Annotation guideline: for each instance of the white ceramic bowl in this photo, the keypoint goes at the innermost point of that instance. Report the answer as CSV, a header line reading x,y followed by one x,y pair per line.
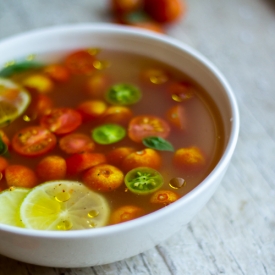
x,y
117,242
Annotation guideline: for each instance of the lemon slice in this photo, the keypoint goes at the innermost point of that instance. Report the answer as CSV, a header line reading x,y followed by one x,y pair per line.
x,y
13,101
10,201
64,205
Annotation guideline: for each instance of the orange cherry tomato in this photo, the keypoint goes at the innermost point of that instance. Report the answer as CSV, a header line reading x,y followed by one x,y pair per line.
x,y
38,83
164,11
126,213
144,158
149,25
190,159
116,156
155,76
181,91
77,163
58,73
145,126
91,109
80,62
20,176
117,114
125,6
103,178
76,143
61,120
164,197
51,168
33,141
4,138
3,164
41,104
97,84
176,116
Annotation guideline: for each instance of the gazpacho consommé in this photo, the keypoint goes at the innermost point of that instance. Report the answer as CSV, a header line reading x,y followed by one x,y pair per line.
x,y
100,137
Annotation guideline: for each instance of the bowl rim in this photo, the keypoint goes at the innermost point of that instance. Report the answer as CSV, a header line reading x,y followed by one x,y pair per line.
x,y
200,188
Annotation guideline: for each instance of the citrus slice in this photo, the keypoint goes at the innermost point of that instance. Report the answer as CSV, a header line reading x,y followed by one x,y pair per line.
x,y
13,101
10,201
64,205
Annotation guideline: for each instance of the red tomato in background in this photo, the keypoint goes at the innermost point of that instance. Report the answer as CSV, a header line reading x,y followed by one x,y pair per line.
x,y
61,120
164,11
147,126
33,141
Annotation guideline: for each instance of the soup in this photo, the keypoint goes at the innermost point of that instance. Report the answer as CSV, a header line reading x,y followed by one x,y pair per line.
x,y
101,137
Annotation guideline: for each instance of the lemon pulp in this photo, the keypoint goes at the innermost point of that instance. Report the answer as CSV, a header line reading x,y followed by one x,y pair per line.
x,y
10,202
63,205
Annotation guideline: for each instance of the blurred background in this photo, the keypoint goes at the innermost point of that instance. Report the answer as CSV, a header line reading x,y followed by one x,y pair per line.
x,y
235,232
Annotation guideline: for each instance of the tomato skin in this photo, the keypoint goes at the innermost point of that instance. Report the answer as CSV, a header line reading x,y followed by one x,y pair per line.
x,y
61,120
103,178
125,6
176,116
3,164
116,156
189,159
146,158
126,213
91,109
58,73
80,62
149,25
181,91
76,143
4,138
41,104
145,126
164,11
77,163
33,141
20,176
39,83
117,114
51,168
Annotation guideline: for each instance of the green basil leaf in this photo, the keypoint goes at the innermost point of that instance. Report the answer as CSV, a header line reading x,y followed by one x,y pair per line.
x,y
158,143
19,67
3,147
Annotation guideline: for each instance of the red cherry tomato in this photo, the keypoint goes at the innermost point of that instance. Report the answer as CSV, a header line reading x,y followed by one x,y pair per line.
x,y
33,141
176,116
61,120
145,126
164,11
125,6
80,62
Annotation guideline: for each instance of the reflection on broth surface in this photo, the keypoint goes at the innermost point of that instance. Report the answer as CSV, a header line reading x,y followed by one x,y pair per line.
x,y
136,132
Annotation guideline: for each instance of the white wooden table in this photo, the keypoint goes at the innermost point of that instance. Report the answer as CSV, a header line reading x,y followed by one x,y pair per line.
x,y
235,232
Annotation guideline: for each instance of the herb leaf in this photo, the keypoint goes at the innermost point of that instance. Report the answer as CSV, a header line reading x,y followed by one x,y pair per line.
x,y
19,67
3,147
158,143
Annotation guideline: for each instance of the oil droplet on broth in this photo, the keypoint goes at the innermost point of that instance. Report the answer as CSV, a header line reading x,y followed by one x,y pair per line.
x,y
93,214
177,183
91,224
62,197
93,51
64,225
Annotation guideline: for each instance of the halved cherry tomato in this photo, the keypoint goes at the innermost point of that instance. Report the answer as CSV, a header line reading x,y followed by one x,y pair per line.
x,y
103,178
149,25
189,159
181,91
117,155
154,76
61,120
125,6
4,138
126,213
117,114
91,109
3,164
77,163
38,83
147,157
33,141
164,11
76,143
143,180
176,116
97,84
58,73
164,197
146,126
108,133
80,62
